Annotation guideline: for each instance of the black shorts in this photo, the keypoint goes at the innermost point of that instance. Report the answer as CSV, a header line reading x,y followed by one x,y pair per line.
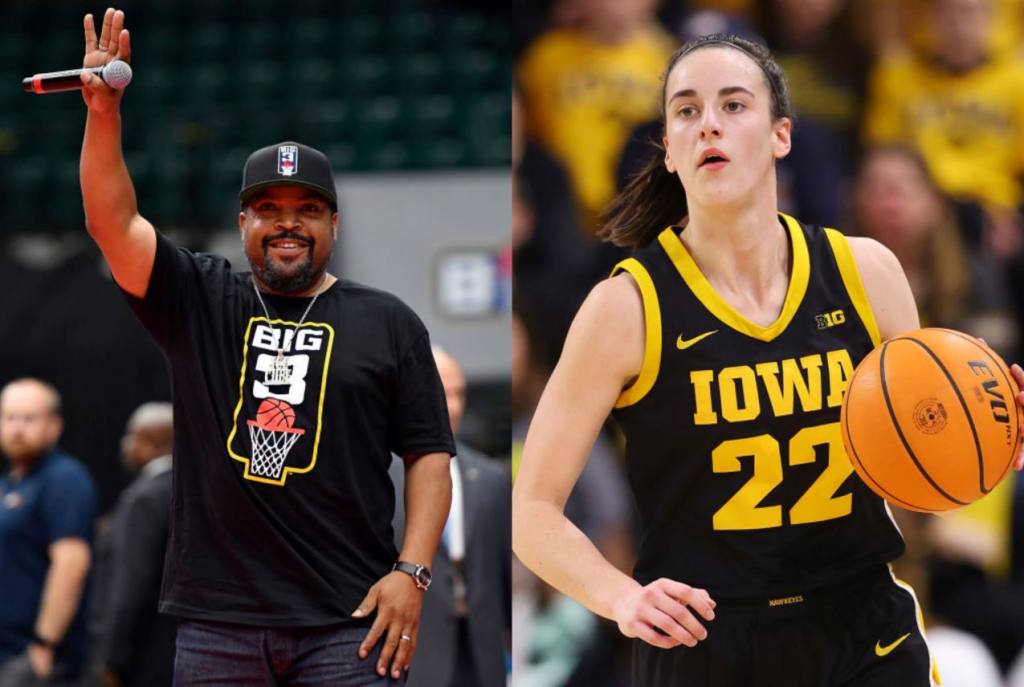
x,y
865,633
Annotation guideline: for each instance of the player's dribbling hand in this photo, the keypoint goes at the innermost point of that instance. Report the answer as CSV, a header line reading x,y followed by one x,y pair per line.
x,y
665,605
112,44
398,603
1018,376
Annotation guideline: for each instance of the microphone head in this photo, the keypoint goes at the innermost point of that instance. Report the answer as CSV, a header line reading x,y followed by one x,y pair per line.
x,y
117,74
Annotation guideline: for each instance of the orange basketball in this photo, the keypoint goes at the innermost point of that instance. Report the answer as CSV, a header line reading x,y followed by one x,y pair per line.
x,y
274,413
930,420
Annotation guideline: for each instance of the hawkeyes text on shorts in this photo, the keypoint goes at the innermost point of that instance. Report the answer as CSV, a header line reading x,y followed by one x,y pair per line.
x,y
277,421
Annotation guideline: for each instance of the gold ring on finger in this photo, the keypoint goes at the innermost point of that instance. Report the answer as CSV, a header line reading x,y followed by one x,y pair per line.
x,y
405,638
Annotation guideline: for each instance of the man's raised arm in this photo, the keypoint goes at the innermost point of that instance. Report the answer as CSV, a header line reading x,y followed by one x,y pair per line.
x,y
127,239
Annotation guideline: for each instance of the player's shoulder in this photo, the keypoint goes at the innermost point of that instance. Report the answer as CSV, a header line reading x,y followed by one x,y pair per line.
x,y
874,259
617,296
610,325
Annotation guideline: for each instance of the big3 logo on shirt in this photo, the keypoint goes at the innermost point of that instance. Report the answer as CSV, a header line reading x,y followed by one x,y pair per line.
x,y
277,421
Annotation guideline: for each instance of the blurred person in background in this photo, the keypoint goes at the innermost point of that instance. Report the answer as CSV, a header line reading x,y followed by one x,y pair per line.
x,y
962,107
466,624
896,202
586,86
554,262
900,25
136,646
281,515
813,43
47,507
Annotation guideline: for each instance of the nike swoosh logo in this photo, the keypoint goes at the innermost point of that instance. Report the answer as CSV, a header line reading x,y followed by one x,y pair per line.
x,y
886,650
682,345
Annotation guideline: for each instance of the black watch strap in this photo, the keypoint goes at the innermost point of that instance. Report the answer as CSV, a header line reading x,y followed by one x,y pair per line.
x,y
39,641
420,574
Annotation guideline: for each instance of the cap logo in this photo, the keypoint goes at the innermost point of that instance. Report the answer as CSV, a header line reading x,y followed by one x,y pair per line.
x,y
287,160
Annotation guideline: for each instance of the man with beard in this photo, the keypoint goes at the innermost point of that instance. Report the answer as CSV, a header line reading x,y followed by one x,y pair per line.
x,y
291,389
47,506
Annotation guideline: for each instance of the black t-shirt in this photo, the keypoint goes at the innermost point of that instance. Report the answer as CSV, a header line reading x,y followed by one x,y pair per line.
x,y
282,502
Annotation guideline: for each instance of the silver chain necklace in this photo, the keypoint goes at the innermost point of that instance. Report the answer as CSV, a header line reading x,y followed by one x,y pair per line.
x,y
279,372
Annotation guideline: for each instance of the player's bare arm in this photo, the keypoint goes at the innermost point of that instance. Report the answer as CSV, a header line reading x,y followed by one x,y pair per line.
x,y
603,353
887,287
428,497
127,239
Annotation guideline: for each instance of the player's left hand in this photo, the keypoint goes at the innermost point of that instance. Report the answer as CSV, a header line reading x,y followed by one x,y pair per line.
x,y
398,603
1018,376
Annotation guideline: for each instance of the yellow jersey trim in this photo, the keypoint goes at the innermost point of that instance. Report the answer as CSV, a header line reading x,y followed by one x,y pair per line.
x,y
652,336
934,676
701,287
319,410
854,285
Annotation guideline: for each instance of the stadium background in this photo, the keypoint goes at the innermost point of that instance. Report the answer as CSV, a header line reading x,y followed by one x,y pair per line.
x,y
410,101
909,129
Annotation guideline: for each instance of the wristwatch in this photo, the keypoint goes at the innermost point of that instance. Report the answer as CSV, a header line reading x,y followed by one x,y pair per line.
x,y
39,641
420,574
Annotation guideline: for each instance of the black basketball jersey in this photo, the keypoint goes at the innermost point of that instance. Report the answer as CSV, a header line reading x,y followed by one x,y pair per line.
x,y
733,445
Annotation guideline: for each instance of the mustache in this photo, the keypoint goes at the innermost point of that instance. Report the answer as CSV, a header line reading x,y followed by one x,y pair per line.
x,y
289,235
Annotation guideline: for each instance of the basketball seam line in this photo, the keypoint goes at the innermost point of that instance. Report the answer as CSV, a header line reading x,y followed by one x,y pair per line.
x,y
1016,416
849,435
967,411
896,423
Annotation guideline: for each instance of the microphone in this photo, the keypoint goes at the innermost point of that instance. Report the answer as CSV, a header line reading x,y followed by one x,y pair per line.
x,y
116,74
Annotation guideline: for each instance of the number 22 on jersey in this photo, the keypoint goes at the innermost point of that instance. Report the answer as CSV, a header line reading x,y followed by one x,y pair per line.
x,y
743,510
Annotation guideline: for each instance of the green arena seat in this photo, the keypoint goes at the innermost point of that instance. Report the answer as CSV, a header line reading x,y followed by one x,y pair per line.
x,y
431,114
359,35
311,36
376,118
362,75
342,156
438,153
311,79
474,69
418,72
382,155
409,31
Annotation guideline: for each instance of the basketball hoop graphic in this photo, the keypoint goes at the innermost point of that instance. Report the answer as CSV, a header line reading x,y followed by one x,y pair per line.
x,y
272,437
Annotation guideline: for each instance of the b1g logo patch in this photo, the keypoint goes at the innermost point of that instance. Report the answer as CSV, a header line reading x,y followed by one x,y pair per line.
x,y
277,422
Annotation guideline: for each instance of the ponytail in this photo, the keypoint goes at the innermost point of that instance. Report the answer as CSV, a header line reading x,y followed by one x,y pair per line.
x,y
652,200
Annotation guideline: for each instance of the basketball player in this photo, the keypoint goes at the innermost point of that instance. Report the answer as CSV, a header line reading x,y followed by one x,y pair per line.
x,y
722,349
291,389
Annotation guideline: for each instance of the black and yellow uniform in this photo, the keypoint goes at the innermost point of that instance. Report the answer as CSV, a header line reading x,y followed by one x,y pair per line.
x,y
742,483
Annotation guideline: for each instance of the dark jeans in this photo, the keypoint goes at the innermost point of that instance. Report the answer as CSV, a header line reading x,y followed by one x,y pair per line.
x,y
224,655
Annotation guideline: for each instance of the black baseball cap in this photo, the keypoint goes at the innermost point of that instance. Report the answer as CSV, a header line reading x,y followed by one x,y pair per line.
x,y
288,163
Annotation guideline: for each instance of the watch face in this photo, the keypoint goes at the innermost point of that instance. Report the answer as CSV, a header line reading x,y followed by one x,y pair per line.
x,y
423,576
